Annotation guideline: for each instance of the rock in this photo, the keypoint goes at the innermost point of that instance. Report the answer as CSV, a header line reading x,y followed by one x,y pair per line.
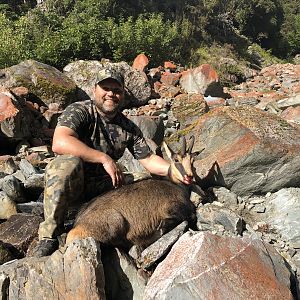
x,y
138,89
5,255
7,205
206,266
159,248
169,78
283,211
225,196
202,80
123,281
16,120
33,208
44,81
166,90
7,164
19,231
291,114
170,66
247,150
27,168
211,214
188,108
140,62
13,188
213,102
291,101
75,274
153,131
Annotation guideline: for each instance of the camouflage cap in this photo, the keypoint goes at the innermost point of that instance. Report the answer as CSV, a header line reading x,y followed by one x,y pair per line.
x,y
109,73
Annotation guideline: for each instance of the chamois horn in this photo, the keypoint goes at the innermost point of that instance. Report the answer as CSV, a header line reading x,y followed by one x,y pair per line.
x,y
183,145
192,141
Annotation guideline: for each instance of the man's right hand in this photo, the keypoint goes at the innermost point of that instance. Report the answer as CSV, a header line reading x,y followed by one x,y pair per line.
x,y
113,171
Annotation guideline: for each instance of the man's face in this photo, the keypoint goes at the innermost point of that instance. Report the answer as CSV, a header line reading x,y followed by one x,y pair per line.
x,y
108,96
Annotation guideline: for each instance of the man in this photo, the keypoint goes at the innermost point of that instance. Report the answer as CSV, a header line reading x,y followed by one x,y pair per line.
x,y
90,136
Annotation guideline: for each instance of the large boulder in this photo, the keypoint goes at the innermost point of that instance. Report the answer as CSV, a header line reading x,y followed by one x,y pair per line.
x,y
247,150
206,266
47,83
76,274
202,80
137,87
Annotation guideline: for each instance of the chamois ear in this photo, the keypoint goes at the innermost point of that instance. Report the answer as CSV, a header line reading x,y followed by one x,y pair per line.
x,y
168,150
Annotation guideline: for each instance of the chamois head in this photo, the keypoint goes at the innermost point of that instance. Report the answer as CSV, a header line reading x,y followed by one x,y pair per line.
x,y
180,170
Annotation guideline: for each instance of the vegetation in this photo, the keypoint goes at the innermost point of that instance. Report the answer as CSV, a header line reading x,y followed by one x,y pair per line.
x,y
186,31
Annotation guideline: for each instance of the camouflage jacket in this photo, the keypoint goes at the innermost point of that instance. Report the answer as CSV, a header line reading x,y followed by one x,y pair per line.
x,y
108,136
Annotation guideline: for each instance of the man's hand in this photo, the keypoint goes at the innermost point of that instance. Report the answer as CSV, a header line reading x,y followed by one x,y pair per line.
x,y
113,171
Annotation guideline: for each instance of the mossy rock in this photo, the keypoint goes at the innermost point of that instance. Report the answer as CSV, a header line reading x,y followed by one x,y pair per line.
x,y
45,82
188,107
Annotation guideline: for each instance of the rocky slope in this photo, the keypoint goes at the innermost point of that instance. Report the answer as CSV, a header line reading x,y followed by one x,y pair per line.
x,y
248,237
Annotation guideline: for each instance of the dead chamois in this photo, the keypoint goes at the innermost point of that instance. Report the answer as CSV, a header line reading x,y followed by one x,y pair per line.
x,y
139,213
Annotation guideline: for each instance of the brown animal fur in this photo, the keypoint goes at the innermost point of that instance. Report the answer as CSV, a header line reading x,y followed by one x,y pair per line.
x,y
135,214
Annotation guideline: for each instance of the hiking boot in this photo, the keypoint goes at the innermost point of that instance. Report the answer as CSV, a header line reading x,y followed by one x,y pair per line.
x,y
44,247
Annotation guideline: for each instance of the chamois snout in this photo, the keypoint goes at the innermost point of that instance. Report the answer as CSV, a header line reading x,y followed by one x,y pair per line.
x,y
181,163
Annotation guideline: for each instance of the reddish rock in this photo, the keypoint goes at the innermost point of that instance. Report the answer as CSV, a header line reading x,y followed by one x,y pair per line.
x,y
168,65
15,118
207,266
291,114
20,91
202,80
247,150
168,91
169,78
215,102
155,73
7,106
140,62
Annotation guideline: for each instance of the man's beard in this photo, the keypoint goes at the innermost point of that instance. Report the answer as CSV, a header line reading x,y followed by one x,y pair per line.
x,y
111,110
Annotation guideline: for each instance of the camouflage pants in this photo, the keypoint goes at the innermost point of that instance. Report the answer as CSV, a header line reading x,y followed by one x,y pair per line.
x,y
67,187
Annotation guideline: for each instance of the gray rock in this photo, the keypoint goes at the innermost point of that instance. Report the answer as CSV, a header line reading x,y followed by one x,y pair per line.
x,y
211,214
160,247
153,131
283,211
27,168
45,82
13,188
75,274
34,208
138,89
291,101
123,281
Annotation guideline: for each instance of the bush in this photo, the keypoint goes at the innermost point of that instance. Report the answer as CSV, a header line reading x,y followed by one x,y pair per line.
x,y
148,34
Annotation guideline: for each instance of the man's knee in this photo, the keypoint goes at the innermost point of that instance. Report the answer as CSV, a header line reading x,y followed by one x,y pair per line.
x,y
65,165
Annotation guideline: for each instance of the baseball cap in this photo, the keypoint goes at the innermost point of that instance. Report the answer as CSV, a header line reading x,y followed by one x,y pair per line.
x,y
109,73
